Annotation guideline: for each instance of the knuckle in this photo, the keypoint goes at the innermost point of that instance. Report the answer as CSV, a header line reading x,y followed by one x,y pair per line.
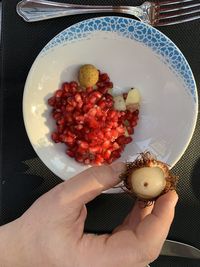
x,y
61,196
94,171
103,175
152,254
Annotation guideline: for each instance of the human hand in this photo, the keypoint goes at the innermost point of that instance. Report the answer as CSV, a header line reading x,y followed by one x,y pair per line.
x,y
50,232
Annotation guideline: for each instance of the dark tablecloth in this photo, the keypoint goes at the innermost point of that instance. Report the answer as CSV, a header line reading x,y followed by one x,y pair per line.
x,y
24,177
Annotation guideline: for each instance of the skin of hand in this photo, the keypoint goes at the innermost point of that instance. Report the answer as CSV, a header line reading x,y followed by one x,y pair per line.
x,y
50,233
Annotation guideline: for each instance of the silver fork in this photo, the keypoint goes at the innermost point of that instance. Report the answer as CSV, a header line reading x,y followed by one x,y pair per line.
x,y
155,13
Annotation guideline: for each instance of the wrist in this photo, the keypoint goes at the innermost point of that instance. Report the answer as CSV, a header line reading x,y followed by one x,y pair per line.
x,y
10,245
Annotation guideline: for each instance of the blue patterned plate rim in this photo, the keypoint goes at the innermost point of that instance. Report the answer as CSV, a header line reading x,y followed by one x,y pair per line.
x,y
134,30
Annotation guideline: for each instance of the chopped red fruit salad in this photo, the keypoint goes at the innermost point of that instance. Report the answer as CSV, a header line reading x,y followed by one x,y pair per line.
x,y
94,125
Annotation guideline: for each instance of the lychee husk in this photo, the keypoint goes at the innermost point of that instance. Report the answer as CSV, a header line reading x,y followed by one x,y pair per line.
x,y
146,159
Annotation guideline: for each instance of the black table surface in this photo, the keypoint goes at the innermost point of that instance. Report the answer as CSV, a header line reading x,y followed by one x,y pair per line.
x,y
23,177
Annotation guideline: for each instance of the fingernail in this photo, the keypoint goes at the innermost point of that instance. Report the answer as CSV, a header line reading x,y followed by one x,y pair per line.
x,y
118,167
173,197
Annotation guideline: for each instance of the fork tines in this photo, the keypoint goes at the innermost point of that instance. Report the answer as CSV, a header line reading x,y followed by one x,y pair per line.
x,y
177,11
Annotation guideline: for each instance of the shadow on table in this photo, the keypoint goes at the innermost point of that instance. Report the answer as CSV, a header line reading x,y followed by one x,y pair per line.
x,y
195,180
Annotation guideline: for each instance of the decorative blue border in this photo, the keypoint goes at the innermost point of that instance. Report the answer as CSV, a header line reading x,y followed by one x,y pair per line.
x,y
134,30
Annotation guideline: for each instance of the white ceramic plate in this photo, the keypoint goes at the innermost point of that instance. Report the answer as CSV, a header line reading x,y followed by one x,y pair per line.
x,y
134,55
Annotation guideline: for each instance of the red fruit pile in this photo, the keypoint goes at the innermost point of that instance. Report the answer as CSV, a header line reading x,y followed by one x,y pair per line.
x,y
88,124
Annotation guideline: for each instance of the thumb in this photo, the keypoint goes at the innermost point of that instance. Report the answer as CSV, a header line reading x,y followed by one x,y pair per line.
x,y
85,186
155,226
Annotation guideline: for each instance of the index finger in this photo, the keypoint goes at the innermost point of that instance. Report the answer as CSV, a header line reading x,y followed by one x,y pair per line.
x,y
85,186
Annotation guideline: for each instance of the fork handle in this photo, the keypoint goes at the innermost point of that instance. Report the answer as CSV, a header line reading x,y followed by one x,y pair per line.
x,y
36,10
